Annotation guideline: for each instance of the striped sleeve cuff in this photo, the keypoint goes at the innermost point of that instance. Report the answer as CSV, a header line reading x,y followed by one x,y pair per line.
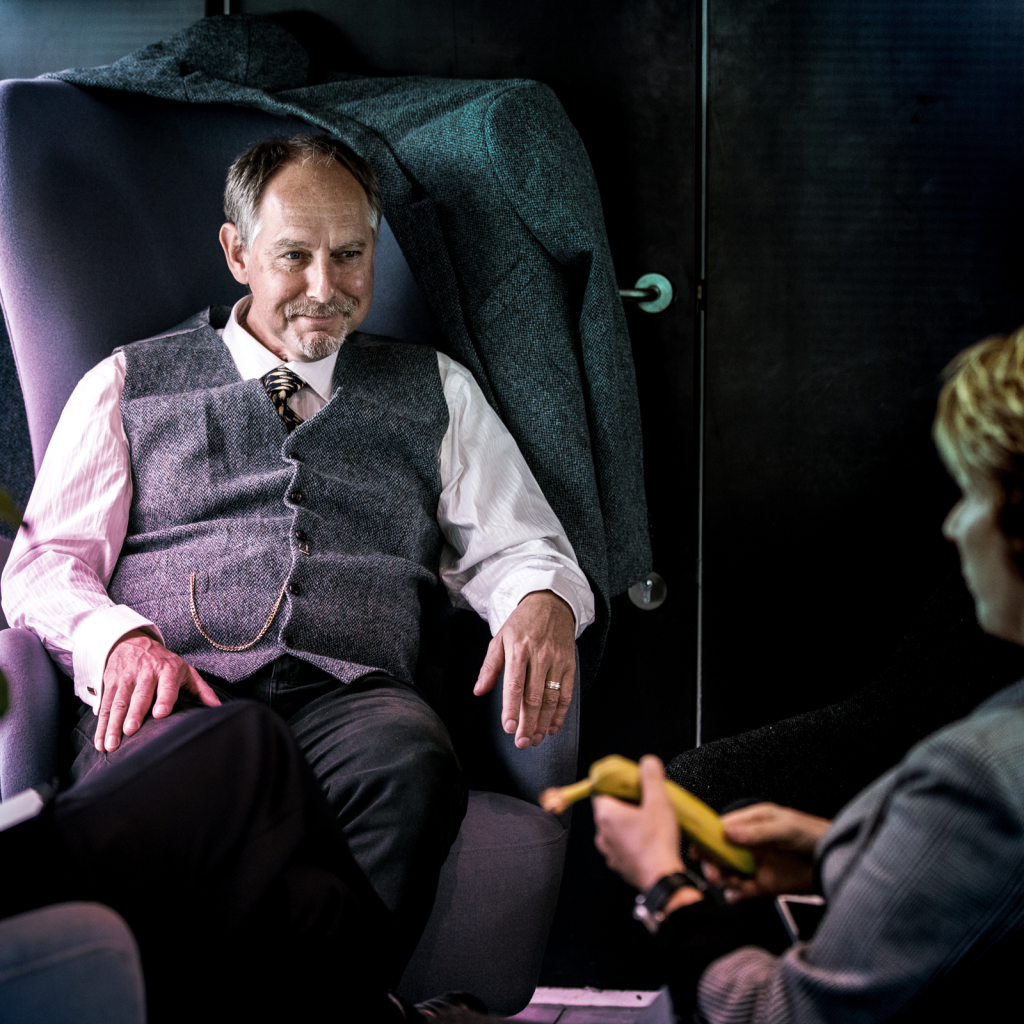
x,y
94,639
576,594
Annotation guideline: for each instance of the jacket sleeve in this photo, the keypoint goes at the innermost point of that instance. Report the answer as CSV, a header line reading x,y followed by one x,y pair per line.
x,y
933,876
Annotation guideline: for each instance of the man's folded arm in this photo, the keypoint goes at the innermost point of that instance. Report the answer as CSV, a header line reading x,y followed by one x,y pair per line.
x,y
504,540
55,580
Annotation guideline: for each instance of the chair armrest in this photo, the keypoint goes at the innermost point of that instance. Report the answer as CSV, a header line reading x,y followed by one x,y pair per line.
x,y
29,730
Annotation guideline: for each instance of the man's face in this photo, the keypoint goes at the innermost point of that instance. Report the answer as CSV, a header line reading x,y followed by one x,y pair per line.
x,y
310,263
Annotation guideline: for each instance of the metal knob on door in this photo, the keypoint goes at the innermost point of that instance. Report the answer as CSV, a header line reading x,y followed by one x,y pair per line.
x,y
649,593
652,293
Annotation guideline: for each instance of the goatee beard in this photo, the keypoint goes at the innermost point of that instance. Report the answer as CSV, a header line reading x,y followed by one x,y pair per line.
x,y
320,344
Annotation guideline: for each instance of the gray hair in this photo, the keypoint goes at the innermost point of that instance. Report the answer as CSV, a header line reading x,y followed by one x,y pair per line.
x,y
252,170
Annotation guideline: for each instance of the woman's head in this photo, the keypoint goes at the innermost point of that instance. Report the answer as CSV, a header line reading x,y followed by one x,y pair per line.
x,y
979,431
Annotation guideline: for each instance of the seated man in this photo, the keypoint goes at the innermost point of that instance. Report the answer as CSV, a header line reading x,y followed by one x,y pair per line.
x,y
923,872
245,506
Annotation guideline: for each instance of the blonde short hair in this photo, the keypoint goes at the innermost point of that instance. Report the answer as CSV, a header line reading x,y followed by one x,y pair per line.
x,y
979,426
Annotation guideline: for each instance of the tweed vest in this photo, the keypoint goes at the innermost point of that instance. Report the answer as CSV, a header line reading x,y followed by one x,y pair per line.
x,y
340,514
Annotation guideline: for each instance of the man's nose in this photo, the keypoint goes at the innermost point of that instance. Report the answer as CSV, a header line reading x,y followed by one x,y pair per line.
x,y
319,281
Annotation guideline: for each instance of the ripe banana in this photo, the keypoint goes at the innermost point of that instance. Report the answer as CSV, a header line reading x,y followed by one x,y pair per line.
x,y
620,777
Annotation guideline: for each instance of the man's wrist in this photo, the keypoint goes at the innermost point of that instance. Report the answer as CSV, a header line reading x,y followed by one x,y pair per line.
x,y
505,598
558,597
141,633
94,638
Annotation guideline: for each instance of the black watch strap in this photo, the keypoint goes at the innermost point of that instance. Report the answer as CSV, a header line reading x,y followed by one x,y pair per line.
x,y
649,907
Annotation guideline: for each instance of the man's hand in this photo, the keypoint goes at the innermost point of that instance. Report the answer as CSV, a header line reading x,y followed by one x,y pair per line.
x,y
782,841
642,843
536,644
137,667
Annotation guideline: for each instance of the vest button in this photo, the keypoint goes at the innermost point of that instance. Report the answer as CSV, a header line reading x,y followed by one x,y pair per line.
x,y
296,497
293,589
288,641
295,457
300,535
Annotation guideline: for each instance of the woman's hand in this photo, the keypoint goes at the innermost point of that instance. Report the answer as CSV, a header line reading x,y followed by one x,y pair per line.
x,y
642,843
782,841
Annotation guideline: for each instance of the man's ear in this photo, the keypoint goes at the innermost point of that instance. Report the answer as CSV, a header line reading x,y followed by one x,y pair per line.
x,y
234,252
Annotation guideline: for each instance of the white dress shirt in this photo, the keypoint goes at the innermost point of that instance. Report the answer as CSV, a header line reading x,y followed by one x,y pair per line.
x,y
503,541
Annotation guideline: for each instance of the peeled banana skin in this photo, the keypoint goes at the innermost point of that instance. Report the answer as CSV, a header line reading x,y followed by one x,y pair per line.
x,y
619,777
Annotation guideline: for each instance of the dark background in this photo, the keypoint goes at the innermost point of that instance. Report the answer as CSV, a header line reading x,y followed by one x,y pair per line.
x,y
864,187
864,213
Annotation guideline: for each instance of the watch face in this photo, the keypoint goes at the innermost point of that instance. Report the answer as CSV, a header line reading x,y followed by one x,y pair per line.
x,y
651,921
649,907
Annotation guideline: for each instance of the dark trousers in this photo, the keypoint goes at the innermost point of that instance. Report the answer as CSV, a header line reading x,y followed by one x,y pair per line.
x,y
214,842
383,758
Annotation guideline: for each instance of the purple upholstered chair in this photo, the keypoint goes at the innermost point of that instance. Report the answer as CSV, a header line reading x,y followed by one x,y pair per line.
x,y
109,211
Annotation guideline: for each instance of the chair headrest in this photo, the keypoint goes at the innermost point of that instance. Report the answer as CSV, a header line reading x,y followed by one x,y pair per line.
x,y
110,204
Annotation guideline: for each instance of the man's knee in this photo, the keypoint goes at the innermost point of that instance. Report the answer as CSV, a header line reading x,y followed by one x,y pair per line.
x,y
418,736
385,748
418,763
242,741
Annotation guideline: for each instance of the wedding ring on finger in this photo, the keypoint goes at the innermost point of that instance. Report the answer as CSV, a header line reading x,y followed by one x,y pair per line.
x,y
553,684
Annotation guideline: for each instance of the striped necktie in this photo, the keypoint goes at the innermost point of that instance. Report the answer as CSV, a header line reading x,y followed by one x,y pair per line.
x,y
281,384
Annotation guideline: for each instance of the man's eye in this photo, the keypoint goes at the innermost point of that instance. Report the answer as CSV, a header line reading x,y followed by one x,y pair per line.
x,y
294,255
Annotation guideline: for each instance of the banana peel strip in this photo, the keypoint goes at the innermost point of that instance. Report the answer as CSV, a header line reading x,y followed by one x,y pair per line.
x,y
618,776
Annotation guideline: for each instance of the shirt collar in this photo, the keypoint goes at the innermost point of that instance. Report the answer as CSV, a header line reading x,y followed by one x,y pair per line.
x,y
254,361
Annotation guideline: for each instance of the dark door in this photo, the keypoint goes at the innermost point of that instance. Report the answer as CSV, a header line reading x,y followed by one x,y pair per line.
x,y
864,209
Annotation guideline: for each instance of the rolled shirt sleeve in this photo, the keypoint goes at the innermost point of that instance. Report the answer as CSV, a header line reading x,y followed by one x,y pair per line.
x,y
503,539
55,580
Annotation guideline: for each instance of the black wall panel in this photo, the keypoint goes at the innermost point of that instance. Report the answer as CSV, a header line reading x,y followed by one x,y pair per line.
x,y
37,36
866,181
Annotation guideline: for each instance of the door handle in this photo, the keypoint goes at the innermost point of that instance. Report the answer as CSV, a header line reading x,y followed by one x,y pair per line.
x,y
652,293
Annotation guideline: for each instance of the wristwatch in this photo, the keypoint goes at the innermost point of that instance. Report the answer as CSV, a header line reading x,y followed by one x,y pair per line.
x,y
649,907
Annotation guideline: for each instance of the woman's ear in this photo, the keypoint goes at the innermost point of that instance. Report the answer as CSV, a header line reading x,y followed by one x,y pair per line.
x,y
1011,522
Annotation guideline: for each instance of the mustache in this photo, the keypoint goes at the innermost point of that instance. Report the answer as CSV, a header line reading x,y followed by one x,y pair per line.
x,y
307,307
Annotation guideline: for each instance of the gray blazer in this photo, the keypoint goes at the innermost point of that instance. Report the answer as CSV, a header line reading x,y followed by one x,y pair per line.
x,y
923,873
